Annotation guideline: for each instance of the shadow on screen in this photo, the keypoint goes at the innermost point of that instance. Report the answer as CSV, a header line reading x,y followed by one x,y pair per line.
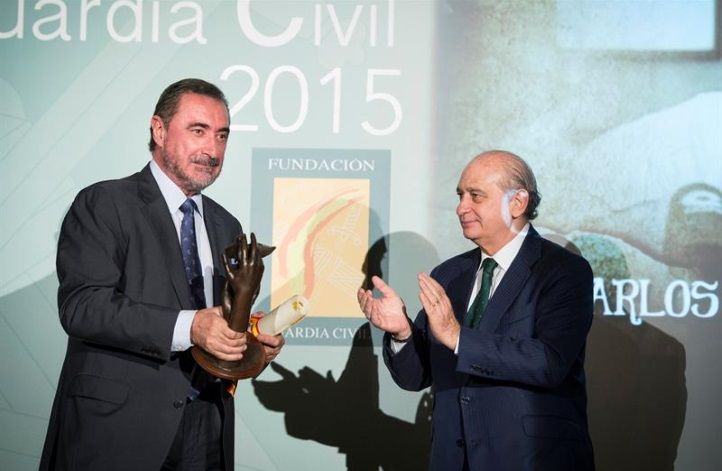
x,y
635,378
345,412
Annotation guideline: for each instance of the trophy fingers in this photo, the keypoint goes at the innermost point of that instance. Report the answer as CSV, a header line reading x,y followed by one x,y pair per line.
x,y
253,253
246,252
265,250
227,265
242,250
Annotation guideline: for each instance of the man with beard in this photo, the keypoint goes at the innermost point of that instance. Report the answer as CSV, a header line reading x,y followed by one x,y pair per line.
x,y
140,269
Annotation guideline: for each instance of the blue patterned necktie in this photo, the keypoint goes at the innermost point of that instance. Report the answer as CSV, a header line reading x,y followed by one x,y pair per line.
x,y
191,260
476,311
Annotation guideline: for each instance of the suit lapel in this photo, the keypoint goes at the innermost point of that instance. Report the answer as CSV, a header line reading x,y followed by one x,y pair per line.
x,y
513,281
460,297
217,246
159,219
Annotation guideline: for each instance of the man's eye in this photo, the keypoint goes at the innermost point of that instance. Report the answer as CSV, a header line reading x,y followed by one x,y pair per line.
x,y
197,132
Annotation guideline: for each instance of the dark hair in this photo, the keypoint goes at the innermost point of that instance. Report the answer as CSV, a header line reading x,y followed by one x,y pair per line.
x,y
168,102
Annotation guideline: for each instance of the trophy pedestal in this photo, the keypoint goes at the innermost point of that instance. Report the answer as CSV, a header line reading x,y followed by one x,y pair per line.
x,y
247,367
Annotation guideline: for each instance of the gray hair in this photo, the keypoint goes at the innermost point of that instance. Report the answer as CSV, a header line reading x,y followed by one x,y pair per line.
x,y
519,176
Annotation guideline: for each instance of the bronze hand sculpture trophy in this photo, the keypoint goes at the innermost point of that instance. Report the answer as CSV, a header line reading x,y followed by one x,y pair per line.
x,y
244,269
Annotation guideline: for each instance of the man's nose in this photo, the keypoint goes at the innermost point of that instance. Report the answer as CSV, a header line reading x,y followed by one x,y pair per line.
x,y
214,147
462,207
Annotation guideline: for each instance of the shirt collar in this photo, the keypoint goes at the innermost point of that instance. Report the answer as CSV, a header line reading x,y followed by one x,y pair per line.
x,y
508,253
173,196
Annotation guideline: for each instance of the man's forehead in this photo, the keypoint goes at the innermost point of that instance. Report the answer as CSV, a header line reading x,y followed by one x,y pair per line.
x,y
191,99
479,173
196,107
480,169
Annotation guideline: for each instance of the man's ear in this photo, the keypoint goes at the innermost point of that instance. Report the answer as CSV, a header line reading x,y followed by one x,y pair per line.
x,y
158,129
518,204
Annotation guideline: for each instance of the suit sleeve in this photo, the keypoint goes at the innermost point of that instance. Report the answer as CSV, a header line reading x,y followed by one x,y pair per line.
x,y
560,320
92,251
410,367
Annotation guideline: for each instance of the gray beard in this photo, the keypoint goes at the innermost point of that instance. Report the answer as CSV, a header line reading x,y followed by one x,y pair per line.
x,y
187,183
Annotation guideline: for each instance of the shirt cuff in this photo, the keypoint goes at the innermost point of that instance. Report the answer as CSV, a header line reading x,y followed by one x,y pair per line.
x,y
182,331
456,349
397,346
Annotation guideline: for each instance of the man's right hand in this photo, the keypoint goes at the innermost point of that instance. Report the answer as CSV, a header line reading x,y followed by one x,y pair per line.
x,y
388,312
210,331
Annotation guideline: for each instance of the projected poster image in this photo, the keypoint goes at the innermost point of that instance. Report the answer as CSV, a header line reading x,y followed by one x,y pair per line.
x,y
319,230
330,228
327,208
620,118
665,211
654,243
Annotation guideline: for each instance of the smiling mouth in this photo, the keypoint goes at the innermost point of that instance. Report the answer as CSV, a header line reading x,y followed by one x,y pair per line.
x,y
205,170
209,162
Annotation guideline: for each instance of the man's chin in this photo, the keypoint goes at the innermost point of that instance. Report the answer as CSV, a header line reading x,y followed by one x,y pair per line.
x,y
196,185
470,234
204,179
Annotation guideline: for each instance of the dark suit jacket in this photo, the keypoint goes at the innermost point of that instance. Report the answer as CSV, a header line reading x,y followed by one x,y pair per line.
x,y
121,391
514,398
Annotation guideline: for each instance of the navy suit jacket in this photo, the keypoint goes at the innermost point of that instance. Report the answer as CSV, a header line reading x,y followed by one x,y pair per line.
x,y
514,398
121,391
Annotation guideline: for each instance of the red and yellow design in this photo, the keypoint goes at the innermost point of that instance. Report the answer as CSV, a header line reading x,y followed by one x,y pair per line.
x,y
320,229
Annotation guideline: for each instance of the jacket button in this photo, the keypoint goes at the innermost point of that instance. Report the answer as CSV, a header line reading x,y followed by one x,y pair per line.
x,y
460,443
178,403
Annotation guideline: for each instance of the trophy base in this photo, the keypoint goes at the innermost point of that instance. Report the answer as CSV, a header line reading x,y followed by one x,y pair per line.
x,y
249,366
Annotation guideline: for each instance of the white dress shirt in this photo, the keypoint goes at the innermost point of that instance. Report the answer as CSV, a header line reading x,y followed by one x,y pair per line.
x,y
174,198
503,258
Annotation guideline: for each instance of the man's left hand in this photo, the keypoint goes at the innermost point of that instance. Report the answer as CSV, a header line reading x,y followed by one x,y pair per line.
x,y
272,344
436,303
